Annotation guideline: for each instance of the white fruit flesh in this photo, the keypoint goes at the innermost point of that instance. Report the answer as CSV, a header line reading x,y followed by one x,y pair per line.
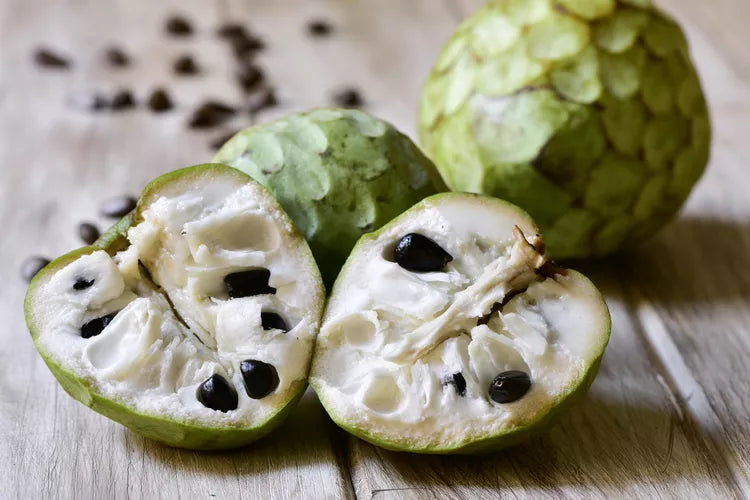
x,y
392,339
154,355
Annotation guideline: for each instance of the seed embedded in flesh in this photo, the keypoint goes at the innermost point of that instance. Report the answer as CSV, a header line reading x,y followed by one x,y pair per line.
x,y
260,378
319,28
122,100
178,26
272,321
88,232
185,65
159,101
96,326
509,386
415,252
458,381
47,58
216,393
82,284
248,283
117,57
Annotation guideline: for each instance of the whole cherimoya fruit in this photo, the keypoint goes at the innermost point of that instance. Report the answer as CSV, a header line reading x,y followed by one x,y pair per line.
x,y
193,322
448,331
338,174
586,113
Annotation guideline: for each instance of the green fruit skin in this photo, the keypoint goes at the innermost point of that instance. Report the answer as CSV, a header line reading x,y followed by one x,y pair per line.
x,y
156,427
337,173
511,436
589,114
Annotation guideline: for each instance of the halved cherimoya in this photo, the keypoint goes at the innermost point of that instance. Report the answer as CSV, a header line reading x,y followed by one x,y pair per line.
x,y
196,329
447,331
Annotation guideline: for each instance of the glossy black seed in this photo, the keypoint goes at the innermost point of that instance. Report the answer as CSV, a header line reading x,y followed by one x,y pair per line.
x,y
415,252
459,382
185,65
49,59
216,393
348,98
319,28
88,101
264,98
159,101
88,232
32,265
509,386
178,26
210,114
118,206
82,284
95,326
248,283
260,378
250,77
271,321
221,140
117,57
122,100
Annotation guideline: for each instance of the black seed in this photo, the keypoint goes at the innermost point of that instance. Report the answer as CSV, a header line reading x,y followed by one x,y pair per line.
x,y
509,386
185,65
248,283
95,326
32,265
348,98
319,28
49,59
122,100
178,26
245,46
265,98
415,252
271,321
118,206
459,382
222,139
216,393
260,378
159,101
210,114
231,30
117,57
88,101
250,77
82,284
88,232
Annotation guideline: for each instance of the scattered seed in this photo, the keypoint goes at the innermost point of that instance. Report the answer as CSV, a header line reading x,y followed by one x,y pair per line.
x,y
122,100
260,378
319,28
250,77
118,206
263,99
248,283
88,232
96,326
217,143
509,386
418,253
88,101
458,381
82,284
49,59
32,265
216,393
185,65
348,98
117,57
272,321
210,114
159,101
245,45
231,30
178,26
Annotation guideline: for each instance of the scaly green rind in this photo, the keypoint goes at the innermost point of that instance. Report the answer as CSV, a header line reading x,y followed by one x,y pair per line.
x,y
337,173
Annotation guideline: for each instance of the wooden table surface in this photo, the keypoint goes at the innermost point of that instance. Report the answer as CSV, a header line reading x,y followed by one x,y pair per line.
x,y
668,416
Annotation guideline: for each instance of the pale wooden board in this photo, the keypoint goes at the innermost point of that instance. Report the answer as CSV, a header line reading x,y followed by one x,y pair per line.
x,y
667,416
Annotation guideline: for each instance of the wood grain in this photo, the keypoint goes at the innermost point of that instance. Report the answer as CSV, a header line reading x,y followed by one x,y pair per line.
x,y
667,416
